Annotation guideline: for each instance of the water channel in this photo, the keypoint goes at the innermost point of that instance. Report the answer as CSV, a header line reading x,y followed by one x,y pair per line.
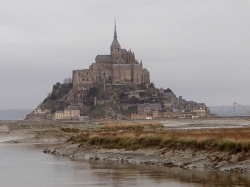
x,y
25,165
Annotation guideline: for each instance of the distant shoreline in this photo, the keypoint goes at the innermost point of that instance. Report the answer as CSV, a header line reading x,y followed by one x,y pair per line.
x,y
14,114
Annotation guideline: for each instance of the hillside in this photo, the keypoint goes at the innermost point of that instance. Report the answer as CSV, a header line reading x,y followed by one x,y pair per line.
x,y
113,101
99,102
60,92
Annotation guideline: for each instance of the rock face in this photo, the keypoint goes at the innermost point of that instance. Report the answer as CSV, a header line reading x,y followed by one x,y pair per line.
x,y
184,158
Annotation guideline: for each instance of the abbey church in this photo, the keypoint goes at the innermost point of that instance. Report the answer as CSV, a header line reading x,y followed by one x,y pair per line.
x,y
120,67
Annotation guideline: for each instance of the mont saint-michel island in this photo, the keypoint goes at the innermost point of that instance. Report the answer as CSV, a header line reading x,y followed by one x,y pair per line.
x,y
124,93
115,86
112,113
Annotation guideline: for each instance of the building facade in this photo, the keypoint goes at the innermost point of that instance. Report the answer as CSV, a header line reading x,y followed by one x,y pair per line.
x,y
119,67
148,108
69,113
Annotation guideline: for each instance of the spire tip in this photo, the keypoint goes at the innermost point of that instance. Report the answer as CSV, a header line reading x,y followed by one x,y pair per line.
x,y
115,33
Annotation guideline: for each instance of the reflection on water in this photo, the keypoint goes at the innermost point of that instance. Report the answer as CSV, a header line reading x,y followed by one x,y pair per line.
x,y
26,165
162,175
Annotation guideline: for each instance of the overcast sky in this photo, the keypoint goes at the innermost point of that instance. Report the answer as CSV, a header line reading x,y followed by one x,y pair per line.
x,y
200,49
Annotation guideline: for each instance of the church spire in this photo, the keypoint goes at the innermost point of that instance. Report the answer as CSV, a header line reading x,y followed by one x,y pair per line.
x,y
141,63
115,42
115,33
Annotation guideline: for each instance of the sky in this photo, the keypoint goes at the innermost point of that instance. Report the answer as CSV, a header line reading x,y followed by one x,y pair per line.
x,y
200,49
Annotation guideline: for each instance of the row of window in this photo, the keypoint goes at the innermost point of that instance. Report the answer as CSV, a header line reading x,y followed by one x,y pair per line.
x,y
86,73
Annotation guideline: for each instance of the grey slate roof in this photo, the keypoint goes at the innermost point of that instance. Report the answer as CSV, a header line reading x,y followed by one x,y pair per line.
x,y
123,50
103,56
124,64
115,43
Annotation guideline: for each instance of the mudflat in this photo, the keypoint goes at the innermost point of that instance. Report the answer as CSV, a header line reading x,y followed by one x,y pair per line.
x,y
208,144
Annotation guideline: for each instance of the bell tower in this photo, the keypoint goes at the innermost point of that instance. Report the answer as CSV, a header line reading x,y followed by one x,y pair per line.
x,y
115,48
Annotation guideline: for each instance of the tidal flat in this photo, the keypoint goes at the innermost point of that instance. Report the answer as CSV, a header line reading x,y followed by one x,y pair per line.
x,y
218,144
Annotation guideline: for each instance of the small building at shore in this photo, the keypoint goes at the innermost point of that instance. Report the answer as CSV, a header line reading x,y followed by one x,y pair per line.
x,y
70,113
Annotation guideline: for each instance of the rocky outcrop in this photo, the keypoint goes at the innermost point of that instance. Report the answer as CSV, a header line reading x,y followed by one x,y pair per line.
x,y
184,158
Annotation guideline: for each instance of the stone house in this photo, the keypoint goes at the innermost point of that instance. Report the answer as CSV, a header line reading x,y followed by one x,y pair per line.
x,y
59,115
148,108
39,114
70,113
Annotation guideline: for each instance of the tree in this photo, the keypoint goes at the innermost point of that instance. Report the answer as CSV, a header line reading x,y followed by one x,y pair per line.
x,y
134,100
110,80
53,107
67,80
151,85
53,96
142,86
93,92
169,90
122,95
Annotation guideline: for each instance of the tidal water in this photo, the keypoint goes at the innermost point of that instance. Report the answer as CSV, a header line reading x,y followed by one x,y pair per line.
x,y
25,165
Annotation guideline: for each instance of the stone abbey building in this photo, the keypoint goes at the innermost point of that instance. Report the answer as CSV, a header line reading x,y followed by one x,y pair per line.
x,y
118,68
119,84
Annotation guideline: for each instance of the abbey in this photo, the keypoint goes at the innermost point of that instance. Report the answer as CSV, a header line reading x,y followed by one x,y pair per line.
x,y
115,86
118,68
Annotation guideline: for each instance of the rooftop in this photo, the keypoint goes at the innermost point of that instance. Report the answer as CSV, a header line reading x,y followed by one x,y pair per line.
x,y
115,43
103,56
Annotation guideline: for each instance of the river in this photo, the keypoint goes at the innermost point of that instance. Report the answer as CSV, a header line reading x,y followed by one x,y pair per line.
x,y
25,165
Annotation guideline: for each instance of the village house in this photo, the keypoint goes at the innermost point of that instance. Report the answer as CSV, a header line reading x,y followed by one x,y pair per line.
x,y
148,108
39,114
71,112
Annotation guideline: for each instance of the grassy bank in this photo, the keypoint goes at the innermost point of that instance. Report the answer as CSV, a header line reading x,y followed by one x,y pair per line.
x,y
152,135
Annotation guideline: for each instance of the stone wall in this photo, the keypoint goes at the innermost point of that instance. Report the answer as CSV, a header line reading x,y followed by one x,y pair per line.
x,y
138,116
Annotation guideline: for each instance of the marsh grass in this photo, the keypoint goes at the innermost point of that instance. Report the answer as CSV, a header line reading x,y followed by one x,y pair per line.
x,y
70,130
134,136
132,126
